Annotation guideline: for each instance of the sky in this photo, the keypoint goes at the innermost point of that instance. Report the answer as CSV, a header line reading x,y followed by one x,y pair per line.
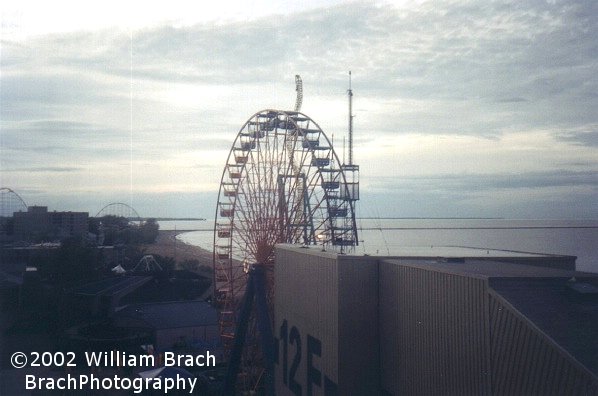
x,y
462,108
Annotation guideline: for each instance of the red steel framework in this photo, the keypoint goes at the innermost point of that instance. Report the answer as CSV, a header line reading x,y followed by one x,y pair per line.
x,y
282,183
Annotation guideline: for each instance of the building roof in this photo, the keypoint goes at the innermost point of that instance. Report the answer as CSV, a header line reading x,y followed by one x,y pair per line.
x,y
565,310
435,251
9,280
112,286
439,253
486,269
460,251
563,304
170,315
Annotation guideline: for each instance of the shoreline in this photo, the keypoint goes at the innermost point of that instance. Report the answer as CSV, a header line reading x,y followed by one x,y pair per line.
x,y
167,245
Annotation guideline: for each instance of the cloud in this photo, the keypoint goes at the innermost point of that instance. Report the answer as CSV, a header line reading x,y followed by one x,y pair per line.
x,y
44,142
50,89
56,169
559,194
158,106
489,182
512,100
587,138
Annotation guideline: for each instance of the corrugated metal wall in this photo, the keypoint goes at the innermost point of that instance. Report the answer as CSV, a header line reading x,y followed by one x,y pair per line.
x,y
433,332
306,298
409,330
359,359
332,304
525,362
447,334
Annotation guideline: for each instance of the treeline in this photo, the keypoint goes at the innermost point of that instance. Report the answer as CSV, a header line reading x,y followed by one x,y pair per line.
x,y
116,230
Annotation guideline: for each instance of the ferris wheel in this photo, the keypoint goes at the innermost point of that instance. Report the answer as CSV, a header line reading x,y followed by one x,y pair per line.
x,y
282,183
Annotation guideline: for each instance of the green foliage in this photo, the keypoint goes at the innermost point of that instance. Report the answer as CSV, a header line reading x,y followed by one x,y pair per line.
x,y
7,225
118,230
189,265
111,221
149,231
195,266
93,225
74,263
166,262
205,269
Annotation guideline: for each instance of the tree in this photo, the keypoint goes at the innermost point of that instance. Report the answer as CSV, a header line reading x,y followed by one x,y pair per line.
x,y
189,265
118,230
74,263
149,230
8,225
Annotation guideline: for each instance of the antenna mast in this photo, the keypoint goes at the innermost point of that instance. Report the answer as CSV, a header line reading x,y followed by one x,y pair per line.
x,y
350,94
350,191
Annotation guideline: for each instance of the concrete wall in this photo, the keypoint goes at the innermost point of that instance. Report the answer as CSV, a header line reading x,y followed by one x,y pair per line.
x,y
38,223
31,225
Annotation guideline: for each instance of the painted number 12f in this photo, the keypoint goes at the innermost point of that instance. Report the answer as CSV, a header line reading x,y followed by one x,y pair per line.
x,y
291,364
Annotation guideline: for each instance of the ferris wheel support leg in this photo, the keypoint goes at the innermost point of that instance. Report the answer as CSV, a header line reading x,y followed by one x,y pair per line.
x,y
256,287
232,370
264,326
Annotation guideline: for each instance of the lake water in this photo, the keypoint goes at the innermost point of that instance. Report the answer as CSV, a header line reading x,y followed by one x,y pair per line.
x,y
388,236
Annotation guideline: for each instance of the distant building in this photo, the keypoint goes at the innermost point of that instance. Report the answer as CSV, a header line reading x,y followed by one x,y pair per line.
x,y
38,224
172,323
449,321
100,298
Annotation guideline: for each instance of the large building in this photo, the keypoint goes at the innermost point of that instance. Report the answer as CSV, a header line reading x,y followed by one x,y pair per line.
x,y
38,224
172,323
450,321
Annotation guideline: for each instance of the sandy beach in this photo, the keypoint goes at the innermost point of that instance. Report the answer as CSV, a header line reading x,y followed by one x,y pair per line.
x,y
167,245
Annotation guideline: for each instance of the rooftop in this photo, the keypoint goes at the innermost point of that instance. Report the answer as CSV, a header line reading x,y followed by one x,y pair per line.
x,y
111,286
563,304
437,255
462,252
442,251
561,310
170,315
486,269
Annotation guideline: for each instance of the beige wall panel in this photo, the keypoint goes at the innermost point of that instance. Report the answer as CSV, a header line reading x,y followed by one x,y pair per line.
x,y
437,343
306,312
358,326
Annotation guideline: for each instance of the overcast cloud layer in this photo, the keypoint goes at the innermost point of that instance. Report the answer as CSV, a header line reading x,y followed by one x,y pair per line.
x,y
463,108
